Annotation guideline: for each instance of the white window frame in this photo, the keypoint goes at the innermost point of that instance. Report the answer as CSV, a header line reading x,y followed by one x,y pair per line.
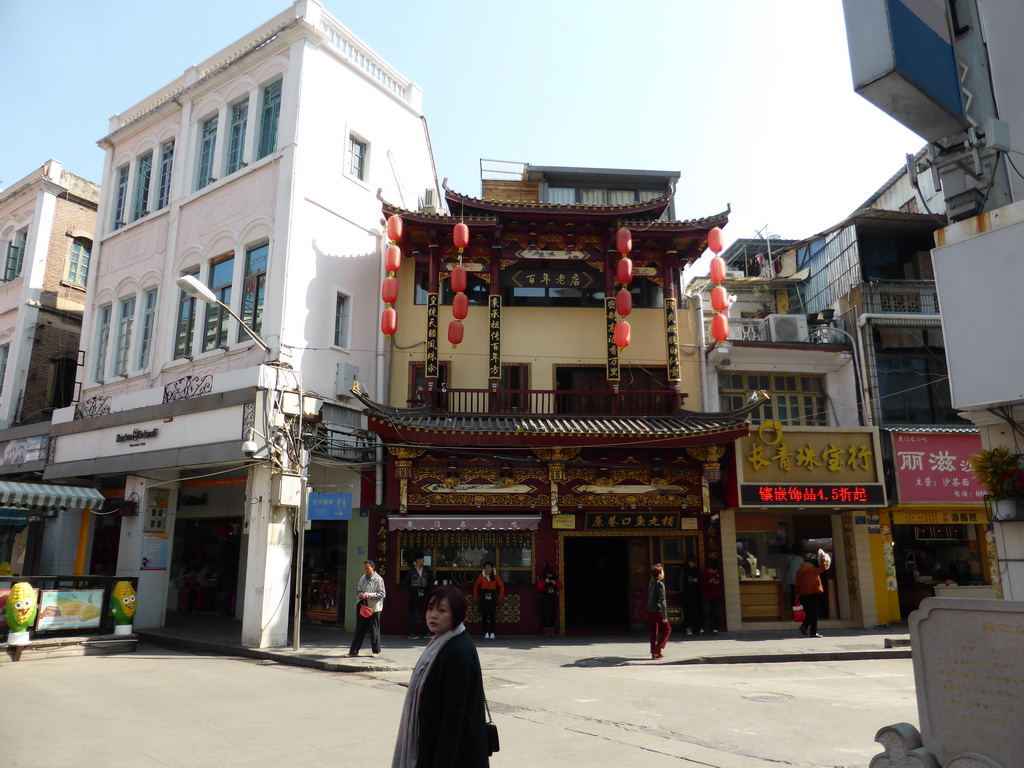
x,y
148,325
364,170
206,166
342,320
125,325
236,135
103,315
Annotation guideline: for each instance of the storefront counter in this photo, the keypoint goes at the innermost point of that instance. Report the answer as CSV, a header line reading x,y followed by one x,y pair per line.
x,y
981,591
761,600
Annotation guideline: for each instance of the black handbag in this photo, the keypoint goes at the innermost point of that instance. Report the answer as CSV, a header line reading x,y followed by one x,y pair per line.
x,y
493,745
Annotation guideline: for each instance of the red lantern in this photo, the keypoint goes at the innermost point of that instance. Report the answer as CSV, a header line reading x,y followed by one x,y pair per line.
x,y
624,302
459,279
624,271
461,235
394,227
622,334
719,299
389,290
392,258
624,241
715,240
720,327
460,306
389,321
456,332
717,271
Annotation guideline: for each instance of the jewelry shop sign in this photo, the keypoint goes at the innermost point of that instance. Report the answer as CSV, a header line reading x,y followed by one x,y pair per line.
x,y
810,466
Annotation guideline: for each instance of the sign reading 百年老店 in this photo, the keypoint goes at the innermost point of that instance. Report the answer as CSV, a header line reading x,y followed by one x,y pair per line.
x,y
810,466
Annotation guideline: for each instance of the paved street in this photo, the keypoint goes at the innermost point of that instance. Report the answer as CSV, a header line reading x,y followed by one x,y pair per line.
x,y
164,708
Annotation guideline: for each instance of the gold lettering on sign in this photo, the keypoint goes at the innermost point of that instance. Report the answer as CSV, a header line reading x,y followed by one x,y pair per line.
x,y
433,318
672,339
613,350
494,336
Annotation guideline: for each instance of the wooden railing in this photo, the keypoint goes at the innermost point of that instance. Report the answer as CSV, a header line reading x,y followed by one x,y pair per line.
x,y
554,402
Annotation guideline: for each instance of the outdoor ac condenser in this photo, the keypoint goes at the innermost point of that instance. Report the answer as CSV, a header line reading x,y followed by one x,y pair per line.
x,y
782,328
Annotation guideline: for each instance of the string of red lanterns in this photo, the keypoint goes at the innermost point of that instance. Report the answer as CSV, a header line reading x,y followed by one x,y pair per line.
x,y
719,296
389,289
624,276
460,301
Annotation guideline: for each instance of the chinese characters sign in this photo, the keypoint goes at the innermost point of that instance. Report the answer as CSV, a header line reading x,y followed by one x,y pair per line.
x,y
433,318
933,467
811,495
613,350
672,339
808,466
494,336
634,521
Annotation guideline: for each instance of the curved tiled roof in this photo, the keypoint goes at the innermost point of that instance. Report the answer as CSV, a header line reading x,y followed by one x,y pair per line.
x,y
413,426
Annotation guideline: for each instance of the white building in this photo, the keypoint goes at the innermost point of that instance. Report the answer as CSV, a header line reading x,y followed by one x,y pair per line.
x,y
257,171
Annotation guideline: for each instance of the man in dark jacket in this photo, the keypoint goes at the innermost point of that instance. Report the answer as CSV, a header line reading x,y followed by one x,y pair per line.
x,y
418,580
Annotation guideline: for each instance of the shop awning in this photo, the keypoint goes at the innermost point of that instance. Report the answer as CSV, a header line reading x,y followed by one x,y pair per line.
x,y
44,495
9,516
463,522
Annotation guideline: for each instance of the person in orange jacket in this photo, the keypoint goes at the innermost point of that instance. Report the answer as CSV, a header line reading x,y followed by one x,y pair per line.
x,y
488,590
810,590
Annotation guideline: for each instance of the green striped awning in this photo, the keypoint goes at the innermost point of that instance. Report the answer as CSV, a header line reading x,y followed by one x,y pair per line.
x,y
9,516
49,495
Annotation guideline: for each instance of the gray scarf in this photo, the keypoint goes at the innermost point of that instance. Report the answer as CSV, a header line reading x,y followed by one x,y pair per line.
x,y
407,744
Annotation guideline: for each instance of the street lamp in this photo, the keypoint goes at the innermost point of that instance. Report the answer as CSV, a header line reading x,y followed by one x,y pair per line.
x,y
191,285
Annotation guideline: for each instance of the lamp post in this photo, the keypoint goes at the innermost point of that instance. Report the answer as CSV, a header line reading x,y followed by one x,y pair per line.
x,y
191,285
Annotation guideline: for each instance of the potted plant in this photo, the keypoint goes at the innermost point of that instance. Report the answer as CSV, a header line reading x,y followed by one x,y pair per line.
x,y
1002,473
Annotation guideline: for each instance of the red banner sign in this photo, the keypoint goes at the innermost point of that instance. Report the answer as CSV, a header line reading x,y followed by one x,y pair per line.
x,y
934,468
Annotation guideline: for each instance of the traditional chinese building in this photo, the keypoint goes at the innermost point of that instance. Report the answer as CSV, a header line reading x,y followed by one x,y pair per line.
x,y
539,437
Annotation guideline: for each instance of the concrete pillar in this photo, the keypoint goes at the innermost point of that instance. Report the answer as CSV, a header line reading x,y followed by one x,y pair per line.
x,y
268,597
136,543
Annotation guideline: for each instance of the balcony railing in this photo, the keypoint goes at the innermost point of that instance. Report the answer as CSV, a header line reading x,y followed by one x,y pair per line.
x,y
552,402
917,297
752,329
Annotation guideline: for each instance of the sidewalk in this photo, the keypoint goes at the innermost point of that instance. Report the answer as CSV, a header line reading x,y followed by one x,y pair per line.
x,y
326,648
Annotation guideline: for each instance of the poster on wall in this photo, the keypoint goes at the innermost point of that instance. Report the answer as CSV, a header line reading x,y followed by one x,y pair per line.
x,y
62,609
156,551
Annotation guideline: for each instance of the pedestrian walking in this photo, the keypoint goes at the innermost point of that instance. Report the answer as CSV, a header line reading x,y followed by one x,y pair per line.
x,y
418,581
488,591
810,591
659,629
689,595
548,586
443,716
712,592
370,593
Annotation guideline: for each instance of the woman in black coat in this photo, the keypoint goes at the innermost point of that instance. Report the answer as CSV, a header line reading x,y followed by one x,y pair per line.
x,y
443,723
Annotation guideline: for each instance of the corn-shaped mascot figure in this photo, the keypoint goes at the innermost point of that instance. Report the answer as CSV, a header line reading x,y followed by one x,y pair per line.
x,y
21,607
122,603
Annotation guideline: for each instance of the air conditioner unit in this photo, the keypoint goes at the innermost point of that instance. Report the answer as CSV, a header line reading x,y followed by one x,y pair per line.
x,y
783,328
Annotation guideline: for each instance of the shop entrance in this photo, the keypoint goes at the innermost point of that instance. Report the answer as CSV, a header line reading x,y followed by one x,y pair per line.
x,y
204,565
597,581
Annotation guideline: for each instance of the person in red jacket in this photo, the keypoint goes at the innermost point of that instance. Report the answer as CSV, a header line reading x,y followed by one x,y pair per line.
x,y
712,592
488,590
809,589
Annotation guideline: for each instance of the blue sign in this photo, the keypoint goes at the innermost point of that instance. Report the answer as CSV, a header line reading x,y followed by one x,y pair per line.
x,y
329,506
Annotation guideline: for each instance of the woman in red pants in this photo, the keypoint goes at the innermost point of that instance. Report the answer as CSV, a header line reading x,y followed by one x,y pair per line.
x,y
657,612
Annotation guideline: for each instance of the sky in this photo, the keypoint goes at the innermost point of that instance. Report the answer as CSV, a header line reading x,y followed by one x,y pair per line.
x,y
750,100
